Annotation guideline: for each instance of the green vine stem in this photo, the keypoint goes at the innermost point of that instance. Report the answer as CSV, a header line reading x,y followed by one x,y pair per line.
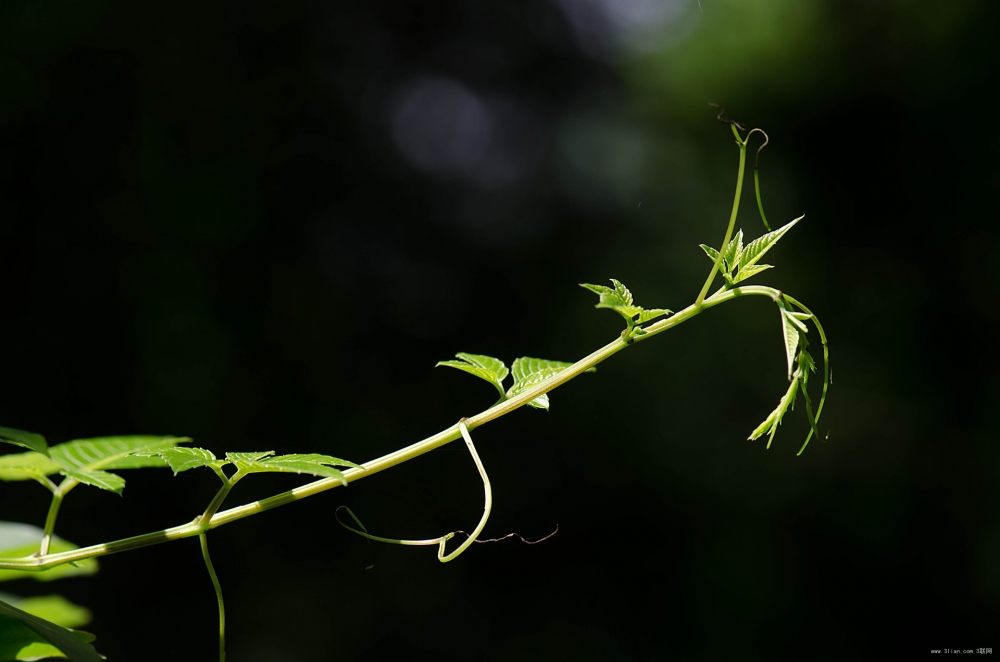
x,y
197,527
58,493
443,540
203,539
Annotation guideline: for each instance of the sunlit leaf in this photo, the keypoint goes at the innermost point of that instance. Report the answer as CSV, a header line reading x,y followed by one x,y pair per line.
x,y
23,636
26,466
623,292
609,298
30,440
790,335
105,480
181,459
771,423
19,540
485,367
712,254
85,459
752,270
733,250
652,314
761,245
313,464
529,372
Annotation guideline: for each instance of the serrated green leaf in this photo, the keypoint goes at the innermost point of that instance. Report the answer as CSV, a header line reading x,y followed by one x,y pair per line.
x,y
733,250
23,635
529,372
652,314
761,245
26,466
19,540
485,367
30,440
712,254
313,464
86,459
623,292
752,270
105,480
181,459
609,298
790,335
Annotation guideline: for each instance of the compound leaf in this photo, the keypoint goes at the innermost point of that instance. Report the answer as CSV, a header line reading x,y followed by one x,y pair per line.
x,y
30,440
529,372
623,292
712,254
485,367
181,459
85,459
761,245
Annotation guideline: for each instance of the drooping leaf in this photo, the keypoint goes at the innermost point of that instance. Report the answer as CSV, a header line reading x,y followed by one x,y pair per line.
x,y
761,245
86,460
105,480
23,636
181,459
26,466
733,250
19,540
712,254
485,367
771,423
309,463
790,334
752,270
30,440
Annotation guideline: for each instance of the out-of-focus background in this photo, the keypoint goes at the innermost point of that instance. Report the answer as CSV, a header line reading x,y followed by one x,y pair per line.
x,y
262,224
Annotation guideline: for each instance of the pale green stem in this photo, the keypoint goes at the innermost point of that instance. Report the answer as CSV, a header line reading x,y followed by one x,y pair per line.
x,y
732,218
50,519
218,594
442,540
385,462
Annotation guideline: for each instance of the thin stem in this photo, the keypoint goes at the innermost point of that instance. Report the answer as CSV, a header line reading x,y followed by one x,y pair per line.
x,y
50,519
488,499
732,217
197,527
218,594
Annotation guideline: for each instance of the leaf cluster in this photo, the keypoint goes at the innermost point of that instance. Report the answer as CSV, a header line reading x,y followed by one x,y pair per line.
x,y
738,262
619,299
527,372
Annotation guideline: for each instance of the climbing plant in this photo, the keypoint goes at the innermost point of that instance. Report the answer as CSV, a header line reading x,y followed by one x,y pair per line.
x,y
35,628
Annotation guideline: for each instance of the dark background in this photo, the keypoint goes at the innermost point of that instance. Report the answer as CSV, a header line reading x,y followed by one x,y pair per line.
x,y
262,224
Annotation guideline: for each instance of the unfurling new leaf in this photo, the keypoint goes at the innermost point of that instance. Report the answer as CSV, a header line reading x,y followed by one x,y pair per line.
x,y
740,262
619,299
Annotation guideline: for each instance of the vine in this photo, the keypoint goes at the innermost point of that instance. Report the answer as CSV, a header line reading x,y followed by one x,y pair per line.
x,y
27,550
